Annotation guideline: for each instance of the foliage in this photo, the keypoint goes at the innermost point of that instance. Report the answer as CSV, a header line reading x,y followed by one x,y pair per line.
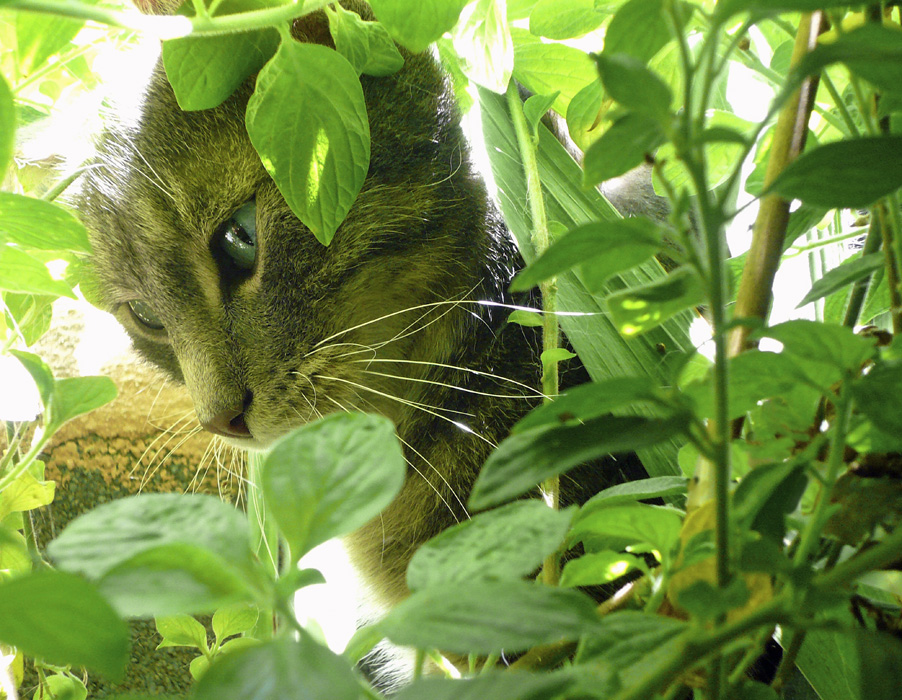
x,y
784,449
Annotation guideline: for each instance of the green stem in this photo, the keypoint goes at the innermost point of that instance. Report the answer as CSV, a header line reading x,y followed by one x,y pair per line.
x,y
48,68
796,250
873,558
550,329
812,534
860,288
419,663
175,26
264,537
20,467
62,185
852,127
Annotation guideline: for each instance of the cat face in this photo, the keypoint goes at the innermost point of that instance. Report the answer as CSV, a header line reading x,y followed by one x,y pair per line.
x,y
223,287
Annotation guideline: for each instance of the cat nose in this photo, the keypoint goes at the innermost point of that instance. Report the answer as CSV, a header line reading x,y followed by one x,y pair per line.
x,y
230,422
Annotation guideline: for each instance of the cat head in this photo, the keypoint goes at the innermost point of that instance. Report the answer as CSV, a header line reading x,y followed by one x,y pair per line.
x,y
218,283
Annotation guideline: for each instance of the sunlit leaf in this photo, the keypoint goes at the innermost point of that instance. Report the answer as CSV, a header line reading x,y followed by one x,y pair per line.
x,y
416,25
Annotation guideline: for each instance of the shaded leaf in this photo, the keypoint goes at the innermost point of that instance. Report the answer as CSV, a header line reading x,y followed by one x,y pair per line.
x,y
508,542
482,617
634,85
824,343
629,524
280,669
599,249
587,401
643,489
493,684
523,460
851,173
877,395
63,620
638,29
842,276
367,45
621,148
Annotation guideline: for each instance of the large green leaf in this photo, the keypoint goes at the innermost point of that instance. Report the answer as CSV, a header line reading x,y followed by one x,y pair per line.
x,y
564,19
328,478
34,223
278,670
62,619
482,617
19,272
603,351
307,119
508,542
852,173
416,25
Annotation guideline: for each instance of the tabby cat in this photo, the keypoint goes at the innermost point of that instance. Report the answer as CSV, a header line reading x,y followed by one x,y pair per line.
x,y
223,287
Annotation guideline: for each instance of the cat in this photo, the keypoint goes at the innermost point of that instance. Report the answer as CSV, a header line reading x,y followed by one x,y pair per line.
x,y
405,313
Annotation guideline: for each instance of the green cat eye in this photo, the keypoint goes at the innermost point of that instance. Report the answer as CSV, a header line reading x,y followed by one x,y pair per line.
x,y
239,236
142,311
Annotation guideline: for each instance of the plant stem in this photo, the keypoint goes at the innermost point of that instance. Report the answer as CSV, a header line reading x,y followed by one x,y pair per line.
x,y
860,288
550,328
811,535
876,557
769,231
264,537
171,27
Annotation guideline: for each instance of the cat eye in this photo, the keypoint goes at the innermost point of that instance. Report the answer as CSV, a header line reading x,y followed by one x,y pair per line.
x,y
142,311
237,237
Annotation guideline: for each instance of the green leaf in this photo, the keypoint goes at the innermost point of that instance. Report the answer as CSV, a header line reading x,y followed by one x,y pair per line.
x,y
112,533
63,620
872,51
585,113
524,459
564,19
204,71
598,250
277,670
234,619
40,372
633,643
640,309
416,25
484,617
7,125
547,68
492,684
40,36
754,376
641,490
25,493
509,542
599,568
526,318
877,395
852,173
842,276
181,631
484,46
328,478
589,400
706,602
536,106
74,396
32,314
628,524
19,272
823,343
178,578
65,687
311,93
638,29
621,148
367,45
634,85
550,358
726,8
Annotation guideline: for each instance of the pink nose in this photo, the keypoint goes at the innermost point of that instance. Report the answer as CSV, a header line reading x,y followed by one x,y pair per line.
x,y
228,423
